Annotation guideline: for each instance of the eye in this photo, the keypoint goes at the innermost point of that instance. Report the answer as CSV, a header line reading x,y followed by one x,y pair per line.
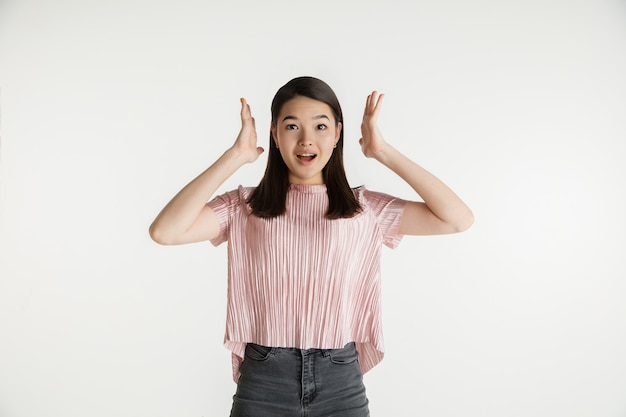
x,y
291,126
321,127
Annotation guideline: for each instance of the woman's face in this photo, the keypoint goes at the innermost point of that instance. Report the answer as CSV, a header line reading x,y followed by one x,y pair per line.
x,y
306,133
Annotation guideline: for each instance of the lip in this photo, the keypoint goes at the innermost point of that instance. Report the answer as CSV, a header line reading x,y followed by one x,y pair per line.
x,y
306,158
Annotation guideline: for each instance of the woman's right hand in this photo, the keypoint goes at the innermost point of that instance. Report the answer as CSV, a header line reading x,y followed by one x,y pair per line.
x,y
187,217
246,144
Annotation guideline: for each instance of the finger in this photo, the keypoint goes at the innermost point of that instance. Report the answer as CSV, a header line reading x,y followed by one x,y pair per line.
x,y
246,113
374,100
374,104
379,102
243,107
368,105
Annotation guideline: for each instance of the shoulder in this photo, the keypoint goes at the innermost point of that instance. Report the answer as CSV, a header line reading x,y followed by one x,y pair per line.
x,y
233,199
371,198
244,193
385,210
380,204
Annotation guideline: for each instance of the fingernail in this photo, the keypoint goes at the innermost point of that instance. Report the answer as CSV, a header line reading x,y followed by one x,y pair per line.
x,y
241,99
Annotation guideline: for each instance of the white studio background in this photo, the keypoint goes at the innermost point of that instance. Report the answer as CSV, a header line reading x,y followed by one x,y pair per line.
x,y
109,108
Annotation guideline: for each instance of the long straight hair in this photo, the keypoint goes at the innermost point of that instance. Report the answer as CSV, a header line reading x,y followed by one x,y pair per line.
x,y
269,198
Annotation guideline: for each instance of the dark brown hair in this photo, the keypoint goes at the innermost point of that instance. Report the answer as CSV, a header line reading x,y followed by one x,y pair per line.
x,y
269,198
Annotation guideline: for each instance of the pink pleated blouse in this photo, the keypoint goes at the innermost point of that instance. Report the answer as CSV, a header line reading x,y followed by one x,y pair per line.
x,y
301,280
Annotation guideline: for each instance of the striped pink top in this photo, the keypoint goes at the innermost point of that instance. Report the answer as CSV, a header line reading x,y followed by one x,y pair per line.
x,y
301,280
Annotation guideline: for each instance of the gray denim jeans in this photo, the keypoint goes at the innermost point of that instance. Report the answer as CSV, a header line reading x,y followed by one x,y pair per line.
x,y
289,382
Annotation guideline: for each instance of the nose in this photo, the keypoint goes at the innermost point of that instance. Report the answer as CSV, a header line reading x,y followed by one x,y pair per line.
x,y
304,139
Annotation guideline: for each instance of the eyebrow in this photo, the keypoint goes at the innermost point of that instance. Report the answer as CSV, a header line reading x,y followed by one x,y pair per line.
x,y
321,116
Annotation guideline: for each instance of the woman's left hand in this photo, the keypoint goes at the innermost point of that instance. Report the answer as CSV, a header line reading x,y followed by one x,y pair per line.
x,y
372,141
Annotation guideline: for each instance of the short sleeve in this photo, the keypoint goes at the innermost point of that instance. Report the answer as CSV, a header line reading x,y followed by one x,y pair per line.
x,y
225,207
387,210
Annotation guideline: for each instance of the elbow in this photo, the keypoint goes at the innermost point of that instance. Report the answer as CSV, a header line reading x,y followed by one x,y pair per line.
x,y
465,222
158,235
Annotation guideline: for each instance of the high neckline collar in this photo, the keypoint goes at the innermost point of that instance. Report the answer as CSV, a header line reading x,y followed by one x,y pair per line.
x,y
308,189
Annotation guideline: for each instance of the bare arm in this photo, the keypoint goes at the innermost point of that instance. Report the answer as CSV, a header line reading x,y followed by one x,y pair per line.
x,y
441,211
186,218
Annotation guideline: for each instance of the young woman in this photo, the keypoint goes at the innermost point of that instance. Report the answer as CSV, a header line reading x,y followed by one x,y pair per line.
x,y
303,317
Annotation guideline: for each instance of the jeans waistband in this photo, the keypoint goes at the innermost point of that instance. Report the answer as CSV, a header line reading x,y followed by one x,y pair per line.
x,y
351,346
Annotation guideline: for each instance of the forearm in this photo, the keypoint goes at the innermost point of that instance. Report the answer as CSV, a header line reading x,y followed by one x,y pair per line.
x,y
437,196
184,209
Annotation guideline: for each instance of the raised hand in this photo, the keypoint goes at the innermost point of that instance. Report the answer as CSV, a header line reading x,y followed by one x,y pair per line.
x,y
372,141
246,143
187,218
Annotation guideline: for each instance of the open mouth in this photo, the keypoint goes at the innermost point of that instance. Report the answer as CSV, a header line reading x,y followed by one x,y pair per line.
x,y
306,156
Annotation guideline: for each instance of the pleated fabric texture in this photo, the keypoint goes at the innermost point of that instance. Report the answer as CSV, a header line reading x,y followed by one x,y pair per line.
x,y
301,280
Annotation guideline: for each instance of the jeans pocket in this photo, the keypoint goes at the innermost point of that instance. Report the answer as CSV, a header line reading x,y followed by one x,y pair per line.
x,y
343,356
258,352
